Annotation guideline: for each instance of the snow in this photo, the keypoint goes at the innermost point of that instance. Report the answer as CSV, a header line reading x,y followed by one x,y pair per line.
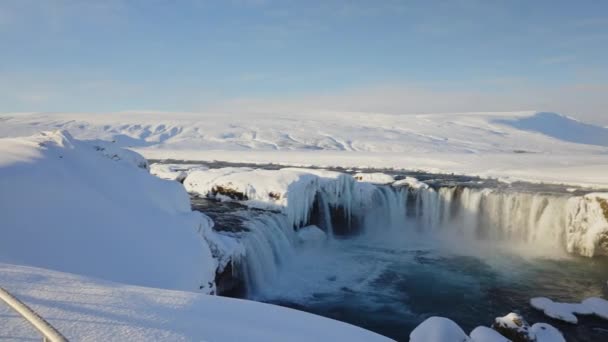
x,y
521,330
598,306
288,190
175,172
438,329
562,127
562,311
485,334
87,309
532,146
411,182
546,333
374,178
311,236
73,206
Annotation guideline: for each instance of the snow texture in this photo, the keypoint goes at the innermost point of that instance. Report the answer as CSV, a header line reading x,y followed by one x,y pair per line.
x,y
438,329
544,332
411,182
533,146
87,309
73,206
567,311
291,191
374,178
562,311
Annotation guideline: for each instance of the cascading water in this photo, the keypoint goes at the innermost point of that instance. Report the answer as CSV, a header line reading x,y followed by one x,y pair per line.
x,y
387,267
268,243
492,214
472,214
325,213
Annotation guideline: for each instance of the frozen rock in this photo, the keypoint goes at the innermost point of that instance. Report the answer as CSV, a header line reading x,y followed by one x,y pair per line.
x,y
438,329
514,327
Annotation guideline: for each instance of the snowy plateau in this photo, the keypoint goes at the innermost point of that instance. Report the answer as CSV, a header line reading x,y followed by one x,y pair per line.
x,y
107,247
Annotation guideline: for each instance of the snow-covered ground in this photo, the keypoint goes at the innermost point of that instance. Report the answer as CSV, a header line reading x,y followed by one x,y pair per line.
x,y
87,309
529,146
94,209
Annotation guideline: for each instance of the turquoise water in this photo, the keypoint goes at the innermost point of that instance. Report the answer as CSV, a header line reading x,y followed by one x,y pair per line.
x,y
390,290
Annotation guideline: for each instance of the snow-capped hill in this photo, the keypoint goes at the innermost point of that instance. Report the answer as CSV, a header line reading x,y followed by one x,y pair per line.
x,y
334,131
532,146
72,206
561,127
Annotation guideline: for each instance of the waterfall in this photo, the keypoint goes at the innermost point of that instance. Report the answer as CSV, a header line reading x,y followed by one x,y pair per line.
x,y
545,221
386,210
325,210
491,214
269,244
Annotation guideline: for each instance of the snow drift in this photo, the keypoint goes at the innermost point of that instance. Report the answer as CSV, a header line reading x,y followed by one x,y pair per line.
x,y
94,209
86,309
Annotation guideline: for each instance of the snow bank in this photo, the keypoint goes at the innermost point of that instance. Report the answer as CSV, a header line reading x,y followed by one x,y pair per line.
x,y
92,210
86,309
374,178
438,329
562,311
290,190
411,182
511,327
587,232
175,172
567,311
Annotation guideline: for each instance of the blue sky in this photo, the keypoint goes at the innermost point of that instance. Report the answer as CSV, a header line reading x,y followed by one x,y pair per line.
x,y
264,55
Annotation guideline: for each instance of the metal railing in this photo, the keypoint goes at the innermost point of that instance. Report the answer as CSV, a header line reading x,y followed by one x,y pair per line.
x,y
49,333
